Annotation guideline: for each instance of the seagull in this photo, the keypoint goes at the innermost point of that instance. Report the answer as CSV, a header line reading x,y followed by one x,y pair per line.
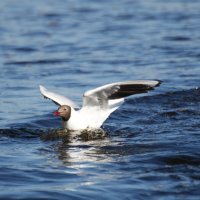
x,y
98,103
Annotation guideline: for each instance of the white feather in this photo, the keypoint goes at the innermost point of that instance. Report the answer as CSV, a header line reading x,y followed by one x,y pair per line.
x,y
98,103
57,98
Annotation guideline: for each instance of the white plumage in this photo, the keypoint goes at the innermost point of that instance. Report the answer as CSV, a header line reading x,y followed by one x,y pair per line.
x,y
98,103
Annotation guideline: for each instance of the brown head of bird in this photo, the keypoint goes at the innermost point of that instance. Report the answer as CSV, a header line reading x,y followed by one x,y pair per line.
x,y
64,112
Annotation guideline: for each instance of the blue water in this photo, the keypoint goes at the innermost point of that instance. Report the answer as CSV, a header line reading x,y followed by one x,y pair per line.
x,y
151,150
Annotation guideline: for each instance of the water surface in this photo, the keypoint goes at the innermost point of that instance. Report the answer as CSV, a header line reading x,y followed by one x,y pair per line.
x,y
152,147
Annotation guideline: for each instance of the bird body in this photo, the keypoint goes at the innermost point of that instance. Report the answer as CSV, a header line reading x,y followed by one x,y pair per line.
x,y
98,103
85,118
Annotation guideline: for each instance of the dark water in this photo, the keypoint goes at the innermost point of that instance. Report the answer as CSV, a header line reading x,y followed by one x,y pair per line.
x,y
152,150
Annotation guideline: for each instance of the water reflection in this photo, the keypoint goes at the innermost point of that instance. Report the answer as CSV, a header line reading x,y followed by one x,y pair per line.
x,y
77,148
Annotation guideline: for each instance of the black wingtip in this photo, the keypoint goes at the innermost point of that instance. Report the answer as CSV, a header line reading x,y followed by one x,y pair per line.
x,y
159,82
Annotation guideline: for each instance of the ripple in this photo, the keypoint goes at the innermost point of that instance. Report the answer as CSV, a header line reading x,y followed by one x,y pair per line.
x,y
20,133
177,38
23,49
36,62
181,160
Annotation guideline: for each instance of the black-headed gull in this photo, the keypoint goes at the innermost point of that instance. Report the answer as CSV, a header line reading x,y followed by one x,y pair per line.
x,y
98,103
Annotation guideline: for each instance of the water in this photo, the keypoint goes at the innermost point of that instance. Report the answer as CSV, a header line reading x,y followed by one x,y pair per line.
x,y
152,147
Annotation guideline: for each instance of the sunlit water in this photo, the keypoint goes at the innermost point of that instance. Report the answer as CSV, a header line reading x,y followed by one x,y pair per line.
x,y
150,146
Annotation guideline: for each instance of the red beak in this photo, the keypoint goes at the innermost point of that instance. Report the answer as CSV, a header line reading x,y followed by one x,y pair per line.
x,y
56,113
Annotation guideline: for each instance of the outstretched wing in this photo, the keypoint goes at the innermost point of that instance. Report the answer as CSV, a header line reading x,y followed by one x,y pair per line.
x,y
101,95
57,98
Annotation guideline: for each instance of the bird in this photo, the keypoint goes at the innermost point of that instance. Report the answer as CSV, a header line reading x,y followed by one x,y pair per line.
x,y
98,103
